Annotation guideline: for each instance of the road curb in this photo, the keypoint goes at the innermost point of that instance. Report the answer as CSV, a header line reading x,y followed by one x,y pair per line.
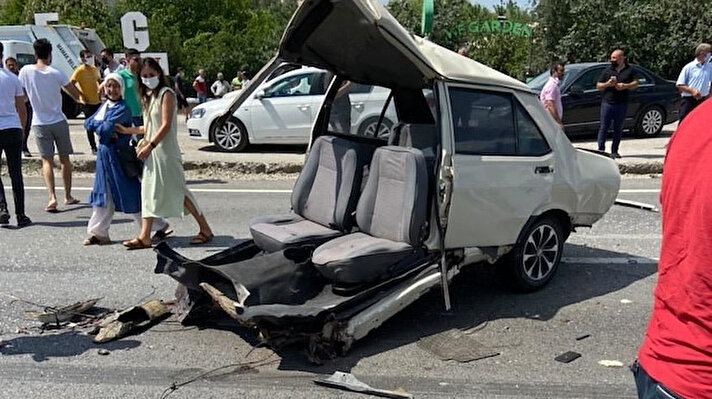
x,y
269,168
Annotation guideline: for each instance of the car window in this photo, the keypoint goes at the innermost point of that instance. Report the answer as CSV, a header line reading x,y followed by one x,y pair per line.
x,y
588,80
529,138
644,78
24,59
483,122
299,85
360,116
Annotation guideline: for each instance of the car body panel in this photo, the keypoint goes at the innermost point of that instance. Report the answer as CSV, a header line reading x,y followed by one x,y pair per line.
x,y
582,107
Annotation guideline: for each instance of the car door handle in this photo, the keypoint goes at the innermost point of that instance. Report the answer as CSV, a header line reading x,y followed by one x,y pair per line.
x,y
543,170
303,107
358,106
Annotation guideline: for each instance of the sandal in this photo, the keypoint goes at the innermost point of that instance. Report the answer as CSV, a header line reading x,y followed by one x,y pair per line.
x,y
51,207
95,240
71,201
202,238
136,244
161,235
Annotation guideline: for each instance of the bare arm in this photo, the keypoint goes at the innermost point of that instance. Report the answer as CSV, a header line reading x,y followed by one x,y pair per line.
x,y
549,105
168,107
604,85
121,129
21,111
72,91
628,86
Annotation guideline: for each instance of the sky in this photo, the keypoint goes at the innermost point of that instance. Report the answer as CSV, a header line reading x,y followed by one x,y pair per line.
x,y
491,3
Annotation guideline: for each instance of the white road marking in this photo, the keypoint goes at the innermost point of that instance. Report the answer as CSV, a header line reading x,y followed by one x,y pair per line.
x,y
610,261
195,190
639,190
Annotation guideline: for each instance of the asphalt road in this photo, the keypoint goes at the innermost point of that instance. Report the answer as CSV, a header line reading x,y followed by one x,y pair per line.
x,y
603,289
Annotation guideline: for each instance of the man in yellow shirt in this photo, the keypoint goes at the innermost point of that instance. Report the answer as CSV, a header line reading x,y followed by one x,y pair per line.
x,y
86,78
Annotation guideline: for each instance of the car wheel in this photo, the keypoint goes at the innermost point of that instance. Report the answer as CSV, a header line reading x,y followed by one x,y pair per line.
x,y
650,122
368,128
533,262
230,137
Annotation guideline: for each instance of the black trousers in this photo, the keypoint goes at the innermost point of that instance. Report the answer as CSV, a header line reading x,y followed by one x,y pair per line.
x,y
28,108
687,104
11,145
89,110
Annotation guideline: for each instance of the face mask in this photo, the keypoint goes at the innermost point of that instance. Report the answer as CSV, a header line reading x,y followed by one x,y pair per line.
x,y
104,60
89,61
614,64
151,83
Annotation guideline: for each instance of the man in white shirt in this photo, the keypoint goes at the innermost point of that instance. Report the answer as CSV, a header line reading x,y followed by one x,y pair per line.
x,y
694,80
43,85
12,125
220,87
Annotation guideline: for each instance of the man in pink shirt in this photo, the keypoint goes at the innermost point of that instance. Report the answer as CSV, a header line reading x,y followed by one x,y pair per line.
x,y
550,95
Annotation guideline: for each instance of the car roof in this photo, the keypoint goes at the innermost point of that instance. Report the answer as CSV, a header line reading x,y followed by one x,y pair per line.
x,y
377,49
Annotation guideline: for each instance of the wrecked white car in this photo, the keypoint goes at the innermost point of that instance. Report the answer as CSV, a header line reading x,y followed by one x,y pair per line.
x,y
474,170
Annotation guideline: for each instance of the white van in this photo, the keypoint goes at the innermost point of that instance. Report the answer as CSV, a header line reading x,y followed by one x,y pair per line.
x,y
22,52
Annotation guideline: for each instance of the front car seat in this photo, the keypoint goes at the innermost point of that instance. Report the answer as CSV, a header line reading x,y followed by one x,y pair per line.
x,y
391,216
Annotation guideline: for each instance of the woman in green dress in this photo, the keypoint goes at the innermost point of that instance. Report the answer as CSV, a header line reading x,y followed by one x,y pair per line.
x,y
164,193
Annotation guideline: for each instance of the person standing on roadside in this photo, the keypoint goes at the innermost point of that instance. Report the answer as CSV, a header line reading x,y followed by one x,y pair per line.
x,y
550,95
164,192
12,122
43,85
674,360
220,87
201,86
11,65
130,86
615,82
180,95
86,76
694,80
109,63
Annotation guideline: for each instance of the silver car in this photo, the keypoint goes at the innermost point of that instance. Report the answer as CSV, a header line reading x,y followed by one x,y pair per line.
x,y
473,170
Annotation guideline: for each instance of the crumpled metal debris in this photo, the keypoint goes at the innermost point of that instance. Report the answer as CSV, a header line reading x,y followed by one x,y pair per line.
x,y
610,363
636,204
118,325
348,382
62,314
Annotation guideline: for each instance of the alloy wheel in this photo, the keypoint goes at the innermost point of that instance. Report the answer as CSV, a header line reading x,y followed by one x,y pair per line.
x,y
540,252
652,121
383,131
229,136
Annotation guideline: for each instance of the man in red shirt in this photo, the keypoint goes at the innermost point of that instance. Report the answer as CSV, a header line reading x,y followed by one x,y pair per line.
x,y
675,360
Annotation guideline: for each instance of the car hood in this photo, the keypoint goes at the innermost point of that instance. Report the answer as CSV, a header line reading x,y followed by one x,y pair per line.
x,y
361,41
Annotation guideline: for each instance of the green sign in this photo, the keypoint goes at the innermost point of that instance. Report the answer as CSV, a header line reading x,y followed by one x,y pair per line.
x,y
492,27
426,24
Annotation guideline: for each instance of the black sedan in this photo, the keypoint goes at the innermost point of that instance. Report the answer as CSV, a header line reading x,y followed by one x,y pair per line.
x,y
654,104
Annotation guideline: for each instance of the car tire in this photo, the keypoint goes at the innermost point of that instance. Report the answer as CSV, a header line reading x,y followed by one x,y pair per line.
x,y
368,127
533,262
650,122
231,137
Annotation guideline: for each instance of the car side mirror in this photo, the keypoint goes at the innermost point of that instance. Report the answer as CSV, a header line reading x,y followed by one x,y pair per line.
x,y
260,95
576,90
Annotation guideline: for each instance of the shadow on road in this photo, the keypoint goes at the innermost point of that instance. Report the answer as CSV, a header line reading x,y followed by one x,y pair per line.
x,y
68,344
205,181
263,149
480,295
76,223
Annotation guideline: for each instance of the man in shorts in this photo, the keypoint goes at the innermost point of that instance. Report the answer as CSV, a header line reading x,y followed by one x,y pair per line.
x,y
43,85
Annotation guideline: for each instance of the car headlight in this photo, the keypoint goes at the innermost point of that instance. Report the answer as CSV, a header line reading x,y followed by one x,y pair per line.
x,y
197,113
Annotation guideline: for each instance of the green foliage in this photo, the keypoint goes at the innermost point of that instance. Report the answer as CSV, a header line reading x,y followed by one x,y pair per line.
x,y
451,29
11,13
658,34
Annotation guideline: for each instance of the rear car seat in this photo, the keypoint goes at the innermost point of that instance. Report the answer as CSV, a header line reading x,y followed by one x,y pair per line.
x,y
391,215
323,199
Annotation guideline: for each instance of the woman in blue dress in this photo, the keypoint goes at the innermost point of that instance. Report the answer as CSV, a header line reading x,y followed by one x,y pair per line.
x,y
113,190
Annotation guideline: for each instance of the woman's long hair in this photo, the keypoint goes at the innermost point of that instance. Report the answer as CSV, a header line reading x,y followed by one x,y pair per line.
x,y
162,82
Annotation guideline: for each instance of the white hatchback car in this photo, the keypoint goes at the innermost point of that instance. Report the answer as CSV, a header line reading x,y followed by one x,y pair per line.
x,y
282,110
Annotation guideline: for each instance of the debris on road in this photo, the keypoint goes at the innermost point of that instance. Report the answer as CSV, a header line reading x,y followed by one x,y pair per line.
x,y
610,363
626,301
567,357
118,325
636,204
103,352
348,382
582,337
52,315
456,345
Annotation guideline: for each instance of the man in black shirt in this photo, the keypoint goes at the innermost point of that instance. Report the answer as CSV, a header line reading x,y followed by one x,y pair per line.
x,y
180,96
615,82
